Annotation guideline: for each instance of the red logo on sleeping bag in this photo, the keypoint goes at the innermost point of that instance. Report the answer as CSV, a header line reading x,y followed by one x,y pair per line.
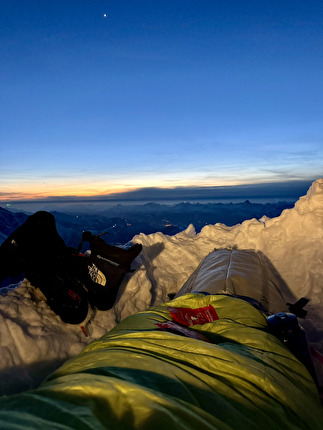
x,y
187,316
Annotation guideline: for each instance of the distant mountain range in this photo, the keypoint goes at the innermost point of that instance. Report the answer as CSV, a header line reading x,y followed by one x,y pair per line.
x,y
9,221
123,222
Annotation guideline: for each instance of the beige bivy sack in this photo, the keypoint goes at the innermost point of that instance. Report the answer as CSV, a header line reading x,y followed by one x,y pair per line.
x,y
239,273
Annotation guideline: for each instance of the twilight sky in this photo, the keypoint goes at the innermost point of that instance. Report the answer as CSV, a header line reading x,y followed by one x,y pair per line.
x,y
105,96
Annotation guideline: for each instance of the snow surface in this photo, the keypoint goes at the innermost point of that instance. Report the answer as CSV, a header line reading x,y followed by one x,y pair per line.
x,y
34,341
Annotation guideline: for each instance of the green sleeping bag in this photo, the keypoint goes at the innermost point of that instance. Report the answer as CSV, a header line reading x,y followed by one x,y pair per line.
x,y
139,376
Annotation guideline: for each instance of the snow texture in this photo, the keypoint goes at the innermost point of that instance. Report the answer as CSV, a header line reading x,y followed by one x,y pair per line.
x,y
34,341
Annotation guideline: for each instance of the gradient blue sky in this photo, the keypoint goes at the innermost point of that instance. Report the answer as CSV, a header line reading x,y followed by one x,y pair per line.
x,y
158,93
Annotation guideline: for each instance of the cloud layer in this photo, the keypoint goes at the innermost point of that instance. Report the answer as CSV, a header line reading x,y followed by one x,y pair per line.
x,y
287,189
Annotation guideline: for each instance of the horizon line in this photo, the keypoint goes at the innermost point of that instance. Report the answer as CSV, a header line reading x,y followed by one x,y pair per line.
x,y
291,189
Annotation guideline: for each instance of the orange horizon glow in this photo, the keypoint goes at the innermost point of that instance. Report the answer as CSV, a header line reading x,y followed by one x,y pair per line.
x,y
45,192
39,195
38,191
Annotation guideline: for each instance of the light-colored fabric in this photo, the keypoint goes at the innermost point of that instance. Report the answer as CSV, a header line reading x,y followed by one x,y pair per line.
x,y
238,273
140,377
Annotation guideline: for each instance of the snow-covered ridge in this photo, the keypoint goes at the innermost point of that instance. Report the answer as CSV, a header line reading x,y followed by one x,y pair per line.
x,y
292,242
34,341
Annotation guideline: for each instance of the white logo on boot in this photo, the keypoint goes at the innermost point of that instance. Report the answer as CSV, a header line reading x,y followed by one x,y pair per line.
x,y
96,275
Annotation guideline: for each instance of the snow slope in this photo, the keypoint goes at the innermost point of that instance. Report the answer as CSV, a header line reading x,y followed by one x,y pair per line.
x,y
33,341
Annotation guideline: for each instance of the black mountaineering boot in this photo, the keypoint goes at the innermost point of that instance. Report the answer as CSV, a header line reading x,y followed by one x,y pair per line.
x,y
106,267
36,249
119,256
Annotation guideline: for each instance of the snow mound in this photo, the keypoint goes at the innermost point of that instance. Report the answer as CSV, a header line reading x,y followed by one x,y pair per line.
x,y
34,341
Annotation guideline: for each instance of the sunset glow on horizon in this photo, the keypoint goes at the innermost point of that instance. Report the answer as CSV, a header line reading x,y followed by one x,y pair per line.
x,y
88,187
87,192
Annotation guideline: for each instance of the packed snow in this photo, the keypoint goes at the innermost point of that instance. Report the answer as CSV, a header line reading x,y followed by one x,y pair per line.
x,y
34,341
